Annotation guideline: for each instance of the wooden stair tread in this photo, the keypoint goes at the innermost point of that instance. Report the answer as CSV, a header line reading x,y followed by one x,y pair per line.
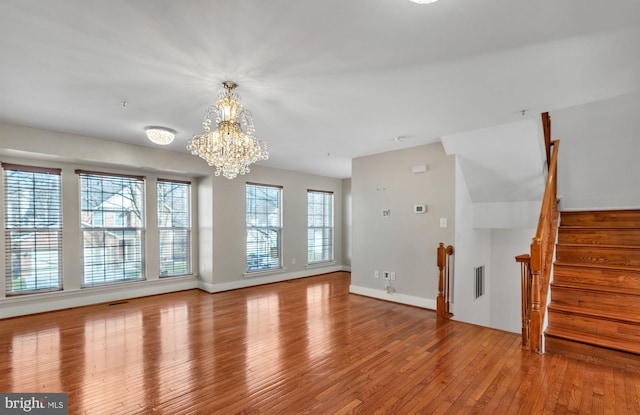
x,y
601,218
596,266
597,288
600,211
604,314
598,246
598,228
615,344
600,236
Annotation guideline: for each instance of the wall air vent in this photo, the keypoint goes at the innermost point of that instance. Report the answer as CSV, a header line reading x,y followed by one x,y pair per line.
x,y
479,281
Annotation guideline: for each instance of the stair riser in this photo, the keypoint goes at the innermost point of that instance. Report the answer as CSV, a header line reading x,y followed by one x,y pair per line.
x,y
596,301
598,277
615,218
598,255
595,326
628,237
593,354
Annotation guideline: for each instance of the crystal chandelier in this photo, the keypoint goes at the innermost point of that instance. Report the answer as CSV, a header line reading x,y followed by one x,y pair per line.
x,y
231,146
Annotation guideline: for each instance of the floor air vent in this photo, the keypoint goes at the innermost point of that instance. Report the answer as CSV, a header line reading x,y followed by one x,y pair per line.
x,y
118,303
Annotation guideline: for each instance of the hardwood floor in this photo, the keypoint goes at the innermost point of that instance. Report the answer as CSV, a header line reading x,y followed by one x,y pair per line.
x,y
300,347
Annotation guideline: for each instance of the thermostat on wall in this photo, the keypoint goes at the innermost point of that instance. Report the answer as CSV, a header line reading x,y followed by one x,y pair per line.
x,y
419,208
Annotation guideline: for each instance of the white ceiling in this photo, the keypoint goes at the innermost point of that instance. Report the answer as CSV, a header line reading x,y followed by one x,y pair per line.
x,y
326,81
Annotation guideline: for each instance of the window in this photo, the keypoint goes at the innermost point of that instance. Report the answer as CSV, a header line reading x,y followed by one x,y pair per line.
x,y
174,227
112,224
264,226
33,229
319,226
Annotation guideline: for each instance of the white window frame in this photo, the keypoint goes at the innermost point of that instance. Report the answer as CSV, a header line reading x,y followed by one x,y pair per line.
x,y
320,227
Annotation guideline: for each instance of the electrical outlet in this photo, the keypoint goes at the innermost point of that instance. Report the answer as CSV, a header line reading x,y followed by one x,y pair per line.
x,y
392,275
293,261
376,274
385,275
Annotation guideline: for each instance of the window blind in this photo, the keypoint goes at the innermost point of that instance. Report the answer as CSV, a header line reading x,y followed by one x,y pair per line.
x,y
33,229
174,227
320,229
264,227
112,224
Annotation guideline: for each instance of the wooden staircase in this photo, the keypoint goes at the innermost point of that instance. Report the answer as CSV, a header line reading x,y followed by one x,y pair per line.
x,y
594,313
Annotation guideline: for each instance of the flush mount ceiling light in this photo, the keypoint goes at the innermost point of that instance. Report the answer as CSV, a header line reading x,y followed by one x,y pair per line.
x,y
231,146
160,135
423,1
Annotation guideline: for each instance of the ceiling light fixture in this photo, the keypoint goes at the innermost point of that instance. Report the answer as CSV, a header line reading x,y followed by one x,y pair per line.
x,y
231,146
160,135
423,1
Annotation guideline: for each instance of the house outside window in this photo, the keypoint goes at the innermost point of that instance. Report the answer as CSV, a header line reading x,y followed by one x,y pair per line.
x,y
174,227
320,230
33,229
112,225
264,227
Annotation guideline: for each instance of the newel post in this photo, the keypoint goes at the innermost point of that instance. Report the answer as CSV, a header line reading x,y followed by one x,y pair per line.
x,y
441,263
444,281
525,297
536,313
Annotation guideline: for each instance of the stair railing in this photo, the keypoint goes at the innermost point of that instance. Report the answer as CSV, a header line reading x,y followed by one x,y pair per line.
x,y
443,302
536,285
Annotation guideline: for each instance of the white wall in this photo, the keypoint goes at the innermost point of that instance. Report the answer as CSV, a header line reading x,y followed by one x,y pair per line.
x,y
472,249
501,163
598,159
506,244
404,242
495,247
218,217
347,223
506,215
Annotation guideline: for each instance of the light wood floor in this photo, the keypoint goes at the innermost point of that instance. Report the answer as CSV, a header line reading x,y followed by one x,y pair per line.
x,y
298,347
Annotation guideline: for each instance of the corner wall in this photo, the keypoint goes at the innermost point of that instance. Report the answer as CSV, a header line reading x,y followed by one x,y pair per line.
x,y
472,249
496,249
403,242
223,245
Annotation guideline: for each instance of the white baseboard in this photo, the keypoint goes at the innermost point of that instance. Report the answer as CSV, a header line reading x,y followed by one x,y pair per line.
x,y
58,300
395,297
266,279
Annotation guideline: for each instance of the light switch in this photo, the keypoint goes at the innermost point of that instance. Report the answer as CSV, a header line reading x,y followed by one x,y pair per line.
x,y
443,222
